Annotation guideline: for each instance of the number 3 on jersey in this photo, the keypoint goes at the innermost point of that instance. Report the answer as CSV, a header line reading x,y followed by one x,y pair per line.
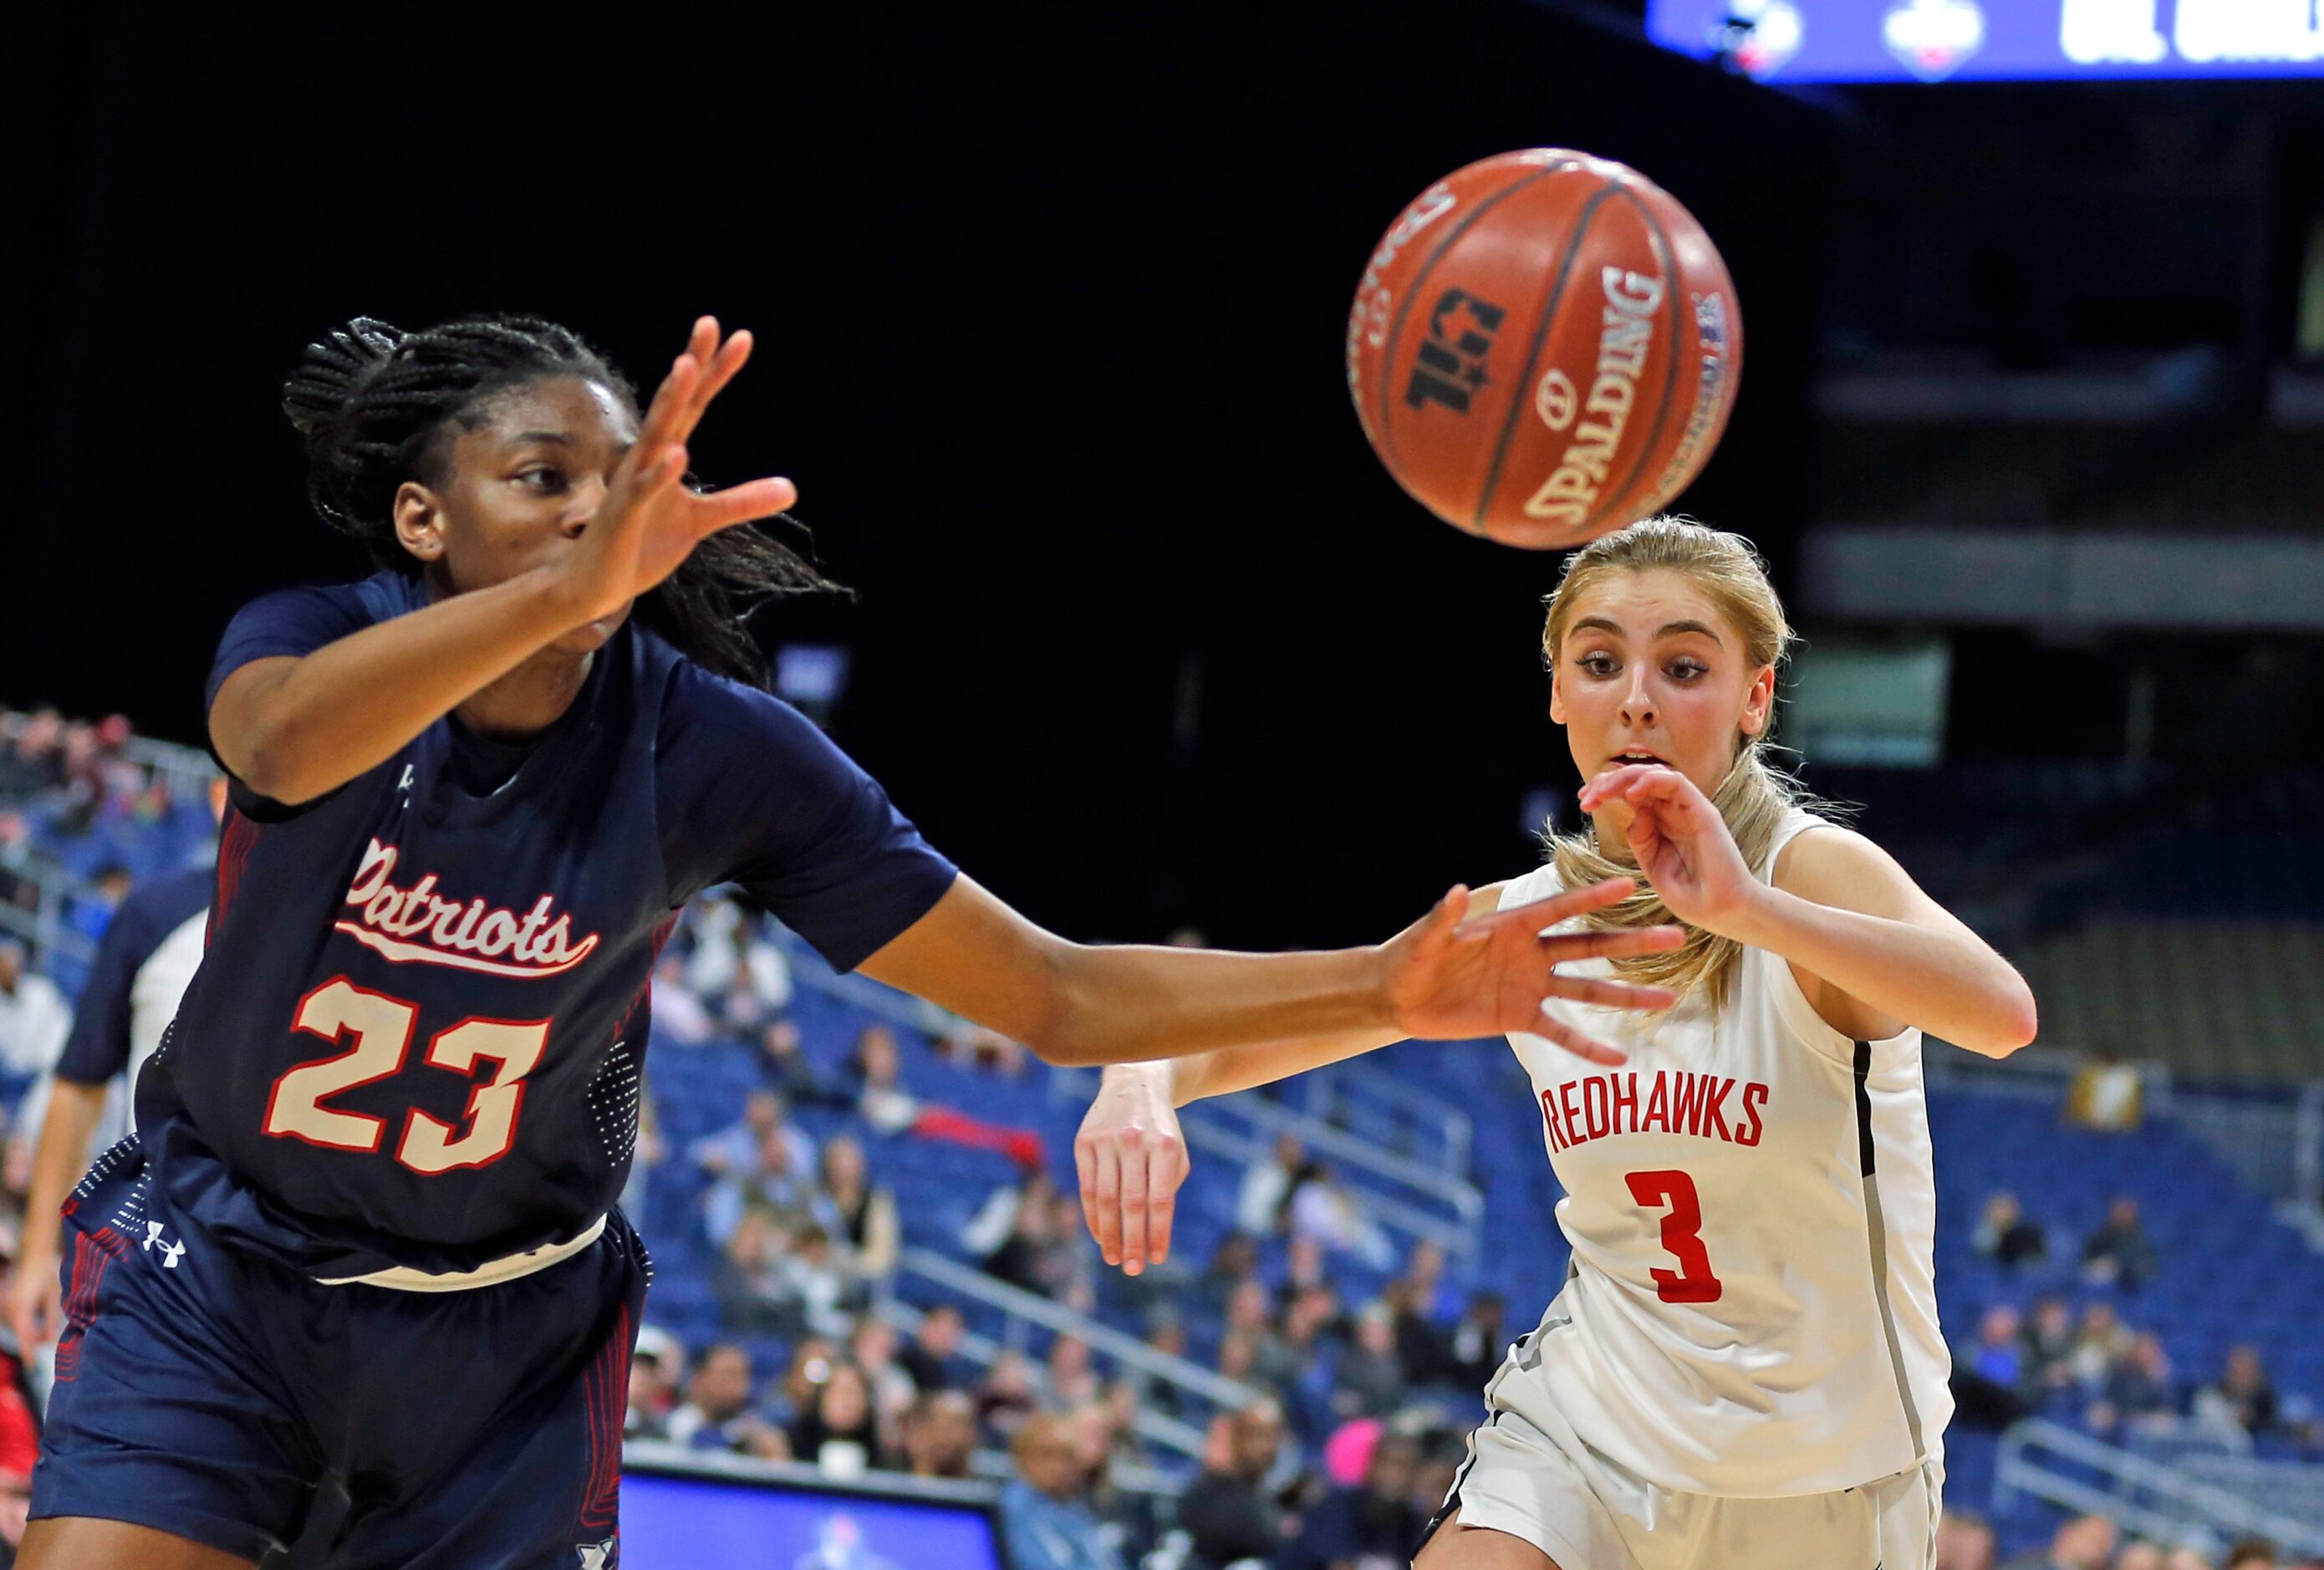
x,y
1692,1281
383,1029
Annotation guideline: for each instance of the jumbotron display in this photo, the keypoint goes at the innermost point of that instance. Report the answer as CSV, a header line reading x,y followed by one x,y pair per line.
x,y
1931,41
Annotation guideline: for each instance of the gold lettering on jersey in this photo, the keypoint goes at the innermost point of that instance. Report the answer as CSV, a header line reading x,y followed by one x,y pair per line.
x,y
1625,336
418,925
1677,1101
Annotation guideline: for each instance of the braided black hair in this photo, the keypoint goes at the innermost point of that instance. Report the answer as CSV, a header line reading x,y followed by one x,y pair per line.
x,y
378,407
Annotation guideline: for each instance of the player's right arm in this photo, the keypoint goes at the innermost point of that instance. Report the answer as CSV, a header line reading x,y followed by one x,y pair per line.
x,y
35,1296
295,727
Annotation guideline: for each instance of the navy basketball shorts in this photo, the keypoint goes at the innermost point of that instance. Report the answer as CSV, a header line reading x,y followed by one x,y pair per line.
x,y
206,1393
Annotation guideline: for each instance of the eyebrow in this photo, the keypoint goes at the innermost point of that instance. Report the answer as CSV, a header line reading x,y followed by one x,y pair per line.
x,y
1667,630
556,438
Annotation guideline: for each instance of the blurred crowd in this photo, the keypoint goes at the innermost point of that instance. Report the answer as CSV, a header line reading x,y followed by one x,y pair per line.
x,y
2088,1542
2076,1353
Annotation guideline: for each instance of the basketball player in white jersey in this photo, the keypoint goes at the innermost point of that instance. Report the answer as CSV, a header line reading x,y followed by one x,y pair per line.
x,y
1744,1370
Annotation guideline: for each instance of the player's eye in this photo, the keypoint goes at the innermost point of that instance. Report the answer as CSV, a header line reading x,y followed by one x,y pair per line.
x,y
1685,671
1599,665
542,478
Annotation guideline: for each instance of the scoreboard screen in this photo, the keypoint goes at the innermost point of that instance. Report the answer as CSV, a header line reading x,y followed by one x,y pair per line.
x,y
1934,40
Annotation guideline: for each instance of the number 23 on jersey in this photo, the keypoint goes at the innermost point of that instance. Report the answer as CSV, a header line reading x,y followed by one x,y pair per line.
x,y
383,1028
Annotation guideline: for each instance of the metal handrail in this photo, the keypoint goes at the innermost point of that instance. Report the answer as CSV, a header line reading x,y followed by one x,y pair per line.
x,y
1050,1315
1456,1192
1333,1086
1455,1236
2205,1508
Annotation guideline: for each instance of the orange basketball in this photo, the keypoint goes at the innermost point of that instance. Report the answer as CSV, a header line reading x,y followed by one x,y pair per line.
x,y
1544,347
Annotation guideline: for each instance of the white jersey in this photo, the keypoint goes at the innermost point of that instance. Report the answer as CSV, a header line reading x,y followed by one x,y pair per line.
x,y
1751,1310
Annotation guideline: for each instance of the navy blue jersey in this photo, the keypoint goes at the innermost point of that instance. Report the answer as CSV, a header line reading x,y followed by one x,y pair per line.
x,y
416,1036
124,1007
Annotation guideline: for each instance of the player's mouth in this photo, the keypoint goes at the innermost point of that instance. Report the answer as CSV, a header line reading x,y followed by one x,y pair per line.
x,y
1629,756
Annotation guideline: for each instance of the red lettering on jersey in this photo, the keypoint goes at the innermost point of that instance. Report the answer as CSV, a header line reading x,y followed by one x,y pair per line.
x,y
1626,1094
1558,1139
1657,1104
1714,1095
1686,1103
1755,1096
1573,1132
1593,1107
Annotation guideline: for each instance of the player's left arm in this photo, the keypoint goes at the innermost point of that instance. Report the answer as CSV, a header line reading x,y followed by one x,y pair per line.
x,y
1875,954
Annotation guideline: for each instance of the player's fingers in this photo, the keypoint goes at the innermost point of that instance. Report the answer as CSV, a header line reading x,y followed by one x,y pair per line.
x,y
1579,1043
660,426
1085,1172
1164,1171
1621,943
743,504
1106,1163
729,358
1135,1147
1611,994
1539,914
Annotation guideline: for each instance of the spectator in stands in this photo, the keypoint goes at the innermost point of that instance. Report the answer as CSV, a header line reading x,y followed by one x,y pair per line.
x,y
874,1345
2250,1554
1375,1523
34,763
1073,1381
1325,1210
860,1216
2007,1235
2242,1397
774,1183
838,1430
1369,1378
1990,1378
1036,1254
812,1357
940,1434
1232,1262
2049,1339
1005,1396
1479,1341
651,1150
1304,1264
2140,1554
2119,1252
783,1061
932,1357
812,1278
718,1414
1226,1511
677,1014
2186,1558
752,1282
737,971
882,1101
654,1369
1424,1271
33,1017
972,1046
1044,1509
739,1148
2084,1543
1266,1186
1420,1347
2100,1341
1964,1542
2138,1391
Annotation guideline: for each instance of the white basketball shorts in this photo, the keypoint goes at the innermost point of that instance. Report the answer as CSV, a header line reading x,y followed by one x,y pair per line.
x,y
1587,1512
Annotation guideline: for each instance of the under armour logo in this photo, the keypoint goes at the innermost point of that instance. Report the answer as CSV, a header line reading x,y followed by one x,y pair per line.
x,y
170,1253
601,1556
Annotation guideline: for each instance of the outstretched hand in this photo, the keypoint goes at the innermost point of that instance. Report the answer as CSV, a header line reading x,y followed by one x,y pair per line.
x,y
1451,978
1130,1157
648,522
1681,844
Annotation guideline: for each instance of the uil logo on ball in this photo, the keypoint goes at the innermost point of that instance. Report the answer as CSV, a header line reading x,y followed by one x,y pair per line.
x,y
1451,366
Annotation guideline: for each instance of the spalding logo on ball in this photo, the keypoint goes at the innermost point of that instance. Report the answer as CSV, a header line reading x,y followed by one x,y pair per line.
x,y
1544,347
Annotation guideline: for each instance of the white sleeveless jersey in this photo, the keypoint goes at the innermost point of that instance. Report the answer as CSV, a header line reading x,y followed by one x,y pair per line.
x,y
1751,1310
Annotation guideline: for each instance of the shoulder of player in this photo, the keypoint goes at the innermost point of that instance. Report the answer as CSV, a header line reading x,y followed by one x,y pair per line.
x,y
1832,865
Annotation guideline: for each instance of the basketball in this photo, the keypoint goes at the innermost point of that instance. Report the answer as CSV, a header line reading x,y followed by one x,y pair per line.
x,y
1544,346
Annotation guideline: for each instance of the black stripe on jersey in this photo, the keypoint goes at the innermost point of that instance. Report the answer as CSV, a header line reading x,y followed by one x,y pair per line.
x,y
1864,1107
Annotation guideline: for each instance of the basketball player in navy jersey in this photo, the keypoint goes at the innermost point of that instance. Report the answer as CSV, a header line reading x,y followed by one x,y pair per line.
x,y
366,1225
